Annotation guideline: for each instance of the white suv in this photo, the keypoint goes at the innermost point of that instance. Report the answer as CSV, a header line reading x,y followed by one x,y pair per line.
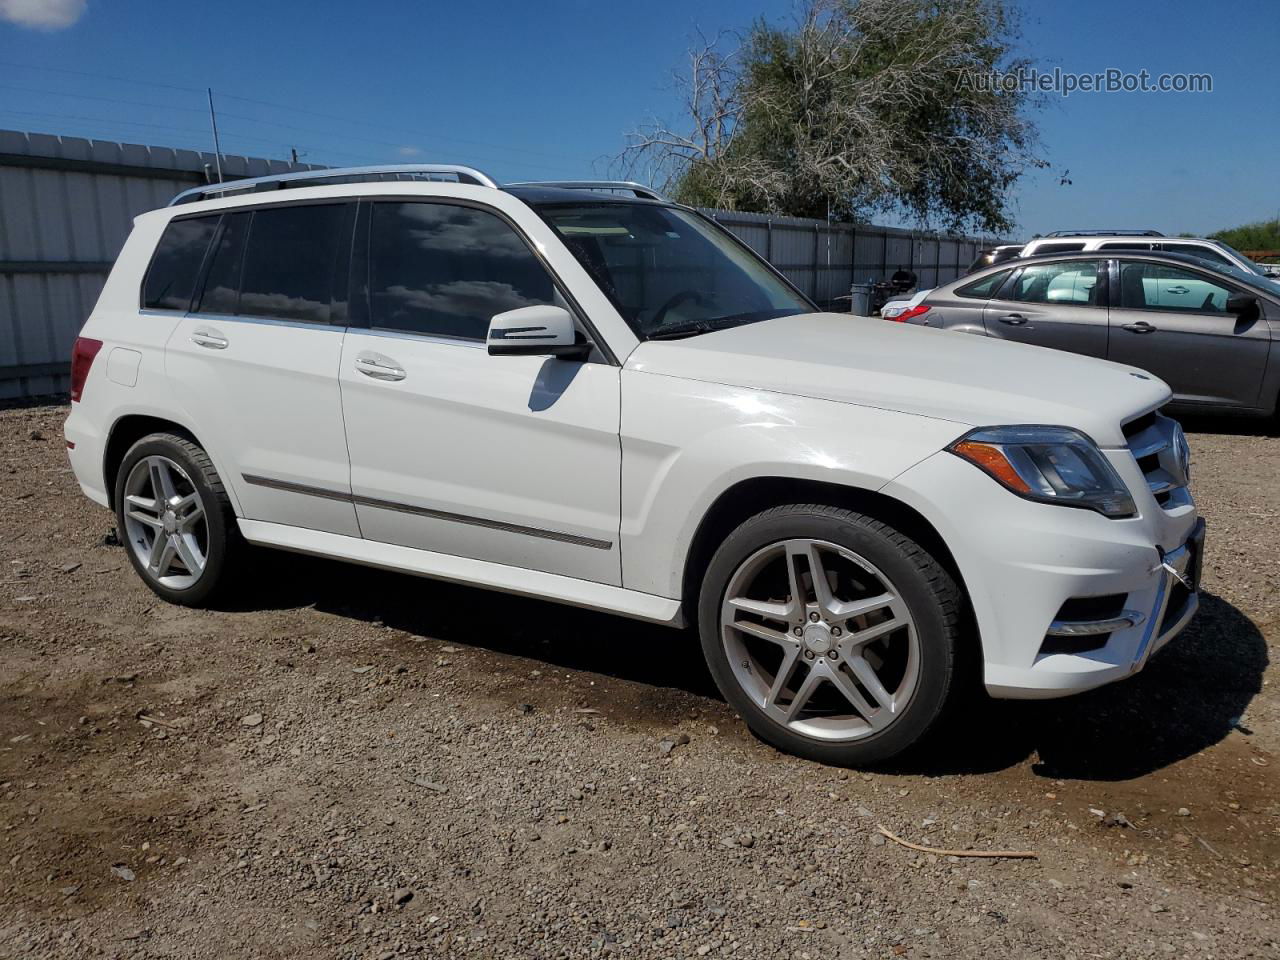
x,y
607,400
1211,251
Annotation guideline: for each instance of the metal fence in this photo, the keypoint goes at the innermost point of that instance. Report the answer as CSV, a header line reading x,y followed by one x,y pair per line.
x,y
67,204
823,259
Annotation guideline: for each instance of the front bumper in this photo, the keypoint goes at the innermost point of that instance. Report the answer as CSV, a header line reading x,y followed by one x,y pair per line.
x,y
1024,564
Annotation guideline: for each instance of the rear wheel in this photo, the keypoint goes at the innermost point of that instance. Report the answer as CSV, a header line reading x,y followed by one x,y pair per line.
x,y
176,520
832,633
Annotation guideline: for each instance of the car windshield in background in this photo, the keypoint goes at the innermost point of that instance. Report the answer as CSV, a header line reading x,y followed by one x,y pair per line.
x,y
669,272
1258,281
1254,268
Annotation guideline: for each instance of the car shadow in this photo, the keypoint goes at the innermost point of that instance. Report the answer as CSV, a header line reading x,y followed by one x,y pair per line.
x,y
1191,694
1236,426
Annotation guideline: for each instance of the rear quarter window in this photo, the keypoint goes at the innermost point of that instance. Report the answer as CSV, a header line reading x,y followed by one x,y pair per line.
x,y
175,265
985,288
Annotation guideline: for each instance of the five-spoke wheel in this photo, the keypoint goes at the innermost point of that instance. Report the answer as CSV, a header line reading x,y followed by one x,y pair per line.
x,y
165,522
831,632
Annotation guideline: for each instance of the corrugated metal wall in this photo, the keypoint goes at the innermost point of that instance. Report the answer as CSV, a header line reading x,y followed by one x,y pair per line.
x,y
67,204
823,259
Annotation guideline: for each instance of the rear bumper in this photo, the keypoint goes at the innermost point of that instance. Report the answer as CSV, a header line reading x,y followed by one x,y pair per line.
x,y
85,448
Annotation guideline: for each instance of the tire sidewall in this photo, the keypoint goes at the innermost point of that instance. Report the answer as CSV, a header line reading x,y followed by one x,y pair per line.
x,y
867,539
216,557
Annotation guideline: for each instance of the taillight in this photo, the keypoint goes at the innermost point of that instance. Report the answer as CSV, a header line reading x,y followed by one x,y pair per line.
x,y
906,315
82,355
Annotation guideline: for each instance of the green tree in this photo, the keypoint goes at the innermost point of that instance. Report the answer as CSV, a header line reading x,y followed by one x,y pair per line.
x,y
1263,235
859,107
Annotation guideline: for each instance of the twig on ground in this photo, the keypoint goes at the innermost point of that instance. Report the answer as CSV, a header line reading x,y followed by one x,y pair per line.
x,y
1004,854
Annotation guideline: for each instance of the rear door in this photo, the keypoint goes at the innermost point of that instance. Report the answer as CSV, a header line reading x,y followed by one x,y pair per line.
x,y
254,366
511,460
1057,304
1172,320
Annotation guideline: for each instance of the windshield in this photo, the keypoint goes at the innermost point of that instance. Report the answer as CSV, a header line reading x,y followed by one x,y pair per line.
x,y
670,272
1247,277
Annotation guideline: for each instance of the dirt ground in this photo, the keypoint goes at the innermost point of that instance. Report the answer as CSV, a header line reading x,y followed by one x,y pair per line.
x,y
355,764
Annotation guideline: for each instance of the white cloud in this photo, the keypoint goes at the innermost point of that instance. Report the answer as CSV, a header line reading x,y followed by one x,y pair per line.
x,y
404,151
42,14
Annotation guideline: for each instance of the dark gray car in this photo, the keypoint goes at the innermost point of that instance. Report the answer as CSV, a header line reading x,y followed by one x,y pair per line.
x,y
1212,334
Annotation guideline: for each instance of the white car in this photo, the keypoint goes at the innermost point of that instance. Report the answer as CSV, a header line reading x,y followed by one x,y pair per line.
x,y
608,401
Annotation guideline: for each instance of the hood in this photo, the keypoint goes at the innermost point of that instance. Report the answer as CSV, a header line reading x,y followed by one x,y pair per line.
x,y
972,380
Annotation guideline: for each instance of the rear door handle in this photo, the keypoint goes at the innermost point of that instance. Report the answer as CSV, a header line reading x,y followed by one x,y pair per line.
x,y
205,338
379,369
1141,327
1013,319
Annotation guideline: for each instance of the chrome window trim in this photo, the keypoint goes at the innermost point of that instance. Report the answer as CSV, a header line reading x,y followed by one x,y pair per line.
x,y
288,486
266,321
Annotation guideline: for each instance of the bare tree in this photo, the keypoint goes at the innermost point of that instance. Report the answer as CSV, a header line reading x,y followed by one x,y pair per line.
x,y
857,107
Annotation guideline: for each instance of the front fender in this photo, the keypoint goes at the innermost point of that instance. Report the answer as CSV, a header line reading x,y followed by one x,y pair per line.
x,y
686,442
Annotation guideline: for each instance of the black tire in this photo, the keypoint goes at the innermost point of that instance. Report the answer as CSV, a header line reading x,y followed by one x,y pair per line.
x,y
929,591
225,549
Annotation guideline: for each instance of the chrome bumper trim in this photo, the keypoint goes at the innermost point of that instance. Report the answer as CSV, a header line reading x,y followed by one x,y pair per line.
x,y
1088,628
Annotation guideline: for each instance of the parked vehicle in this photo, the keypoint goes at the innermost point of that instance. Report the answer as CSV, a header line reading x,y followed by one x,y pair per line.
x,y
609,401
994,255
1212,333
1213,251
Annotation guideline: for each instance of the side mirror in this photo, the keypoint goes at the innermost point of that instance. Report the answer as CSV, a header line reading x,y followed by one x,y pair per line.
x,y
540,331
1242,305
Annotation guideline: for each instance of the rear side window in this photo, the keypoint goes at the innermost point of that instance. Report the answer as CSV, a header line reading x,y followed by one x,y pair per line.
x,y
292,261
985,288
222,284
171,278
444,270
1074,282
1125,245
1202,251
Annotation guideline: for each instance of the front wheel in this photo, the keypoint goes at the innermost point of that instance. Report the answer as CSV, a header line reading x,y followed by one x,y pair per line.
x,y
176,521
833,634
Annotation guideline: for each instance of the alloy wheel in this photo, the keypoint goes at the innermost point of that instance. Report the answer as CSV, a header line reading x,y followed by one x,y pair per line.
x,y
165,522
820,639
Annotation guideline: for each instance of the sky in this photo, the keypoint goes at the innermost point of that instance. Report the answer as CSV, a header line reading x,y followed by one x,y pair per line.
x,y
550,89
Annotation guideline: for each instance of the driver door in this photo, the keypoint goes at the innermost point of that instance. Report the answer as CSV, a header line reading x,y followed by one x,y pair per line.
x,y
508,459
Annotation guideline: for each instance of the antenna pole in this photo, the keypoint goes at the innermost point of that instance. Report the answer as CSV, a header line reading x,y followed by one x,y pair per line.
x,y
217,147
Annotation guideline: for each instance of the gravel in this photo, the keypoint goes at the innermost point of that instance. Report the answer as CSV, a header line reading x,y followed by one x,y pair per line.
x,y
459,800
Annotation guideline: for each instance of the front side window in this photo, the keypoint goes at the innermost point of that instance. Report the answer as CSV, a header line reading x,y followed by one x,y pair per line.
x,y
171,278
1203,251
444,270
1072,283
1154,286
668,271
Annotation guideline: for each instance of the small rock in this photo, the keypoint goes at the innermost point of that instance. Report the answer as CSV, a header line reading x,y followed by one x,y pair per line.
x,y
364,669
666,746
402,896
71,567
1184,812
252,720
35,435
877,840
123,872
71,890
1159,908
747,840
524,708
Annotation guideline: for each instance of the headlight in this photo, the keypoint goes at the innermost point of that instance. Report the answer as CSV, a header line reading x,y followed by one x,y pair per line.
x,y
1049,464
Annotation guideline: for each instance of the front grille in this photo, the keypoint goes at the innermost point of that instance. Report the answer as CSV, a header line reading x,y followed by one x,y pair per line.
x,y
1154,442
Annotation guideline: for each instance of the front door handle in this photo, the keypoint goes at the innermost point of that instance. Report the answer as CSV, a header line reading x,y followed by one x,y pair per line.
x,y
1013,319
379,369
204,338
1140,327
1179,290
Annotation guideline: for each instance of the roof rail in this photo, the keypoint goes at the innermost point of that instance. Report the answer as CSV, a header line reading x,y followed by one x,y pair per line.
x,y
280,181
1105,233
638,189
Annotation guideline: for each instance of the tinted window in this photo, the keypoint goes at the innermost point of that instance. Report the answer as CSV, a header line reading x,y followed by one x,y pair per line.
x,y
1073,282
172,275
1069,247
985,288
1196,250
222,284
291,261
1125,245
445,270
1153,286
